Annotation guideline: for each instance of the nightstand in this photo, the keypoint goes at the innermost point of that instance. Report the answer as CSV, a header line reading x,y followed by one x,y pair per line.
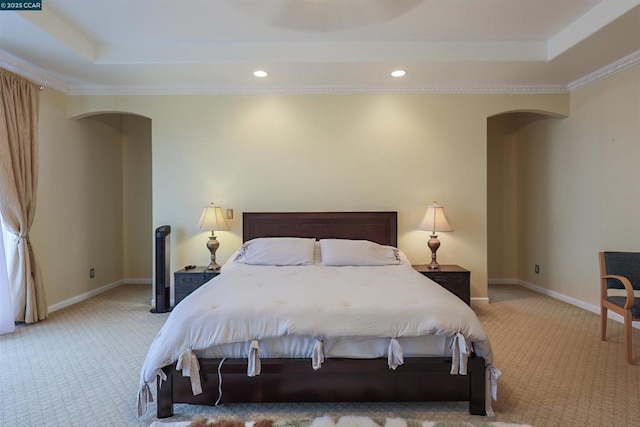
x,y
454,278
187,281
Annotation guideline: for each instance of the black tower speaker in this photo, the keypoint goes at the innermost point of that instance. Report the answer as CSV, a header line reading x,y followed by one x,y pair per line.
x,y
162,274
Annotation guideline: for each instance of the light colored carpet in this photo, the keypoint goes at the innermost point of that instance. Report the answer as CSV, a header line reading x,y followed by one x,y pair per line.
x,y
81,367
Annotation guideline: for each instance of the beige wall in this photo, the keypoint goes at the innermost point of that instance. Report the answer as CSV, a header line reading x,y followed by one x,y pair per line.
x,y
580,177
137,202
573,197
91,174
78,223
323,152
577,187
502,197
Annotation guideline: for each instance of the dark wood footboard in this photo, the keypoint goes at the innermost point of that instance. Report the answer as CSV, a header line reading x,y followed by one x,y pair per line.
x,y
339,380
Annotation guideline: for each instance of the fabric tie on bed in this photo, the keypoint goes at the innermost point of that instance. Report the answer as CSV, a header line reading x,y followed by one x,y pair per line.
x,y
317,357
459,355
253,360
144,398
190,366
395,355
494,374
491,383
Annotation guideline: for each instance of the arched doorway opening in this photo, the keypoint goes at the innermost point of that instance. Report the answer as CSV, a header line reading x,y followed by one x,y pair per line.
x,y
118,196
511,188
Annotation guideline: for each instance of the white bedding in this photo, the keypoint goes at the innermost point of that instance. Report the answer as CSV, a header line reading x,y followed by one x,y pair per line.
x,y
247,304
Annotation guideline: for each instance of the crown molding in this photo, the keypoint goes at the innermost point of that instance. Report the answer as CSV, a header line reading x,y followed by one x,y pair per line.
x,y
622,64
318,90
26,70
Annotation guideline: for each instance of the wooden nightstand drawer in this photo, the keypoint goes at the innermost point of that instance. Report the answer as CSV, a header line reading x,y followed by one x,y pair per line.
x,y
187,281
454,278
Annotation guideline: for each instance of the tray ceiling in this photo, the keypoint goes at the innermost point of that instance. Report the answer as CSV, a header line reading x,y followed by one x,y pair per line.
x,y
200,46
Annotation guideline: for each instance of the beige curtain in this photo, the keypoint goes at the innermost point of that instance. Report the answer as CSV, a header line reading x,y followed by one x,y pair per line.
x,y
19,100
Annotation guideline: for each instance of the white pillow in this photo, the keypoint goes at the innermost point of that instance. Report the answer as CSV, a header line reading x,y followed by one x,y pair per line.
x,y
340,252
277,251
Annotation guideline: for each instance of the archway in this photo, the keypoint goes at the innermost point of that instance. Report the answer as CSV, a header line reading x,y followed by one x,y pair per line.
x,y
506,194
125,176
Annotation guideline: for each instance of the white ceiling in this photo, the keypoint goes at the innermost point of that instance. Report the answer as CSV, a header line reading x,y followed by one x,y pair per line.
x,y
213,46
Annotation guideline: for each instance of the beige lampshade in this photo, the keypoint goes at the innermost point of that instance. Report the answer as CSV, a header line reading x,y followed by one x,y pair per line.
x,y
435,220
212,219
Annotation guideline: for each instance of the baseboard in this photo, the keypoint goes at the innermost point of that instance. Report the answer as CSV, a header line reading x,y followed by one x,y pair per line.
x,y
569,300
85,296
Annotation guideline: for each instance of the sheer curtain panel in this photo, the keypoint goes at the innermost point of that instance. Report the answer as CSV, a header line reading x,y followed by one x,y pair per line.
x,y
7,325
19,103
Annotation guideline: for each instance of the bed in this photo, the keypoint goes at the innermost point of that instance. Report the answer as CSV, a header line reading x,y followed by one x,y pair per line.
x,y
211,378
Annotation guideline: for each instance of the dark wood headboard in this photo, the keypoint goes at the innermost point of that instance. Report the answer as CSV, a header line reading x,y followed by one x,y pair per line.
x,y
379,227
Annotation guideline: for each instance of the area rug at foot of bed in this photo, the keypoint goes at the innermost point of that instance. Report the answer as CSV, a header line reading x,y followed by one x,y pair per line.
x,y
326,421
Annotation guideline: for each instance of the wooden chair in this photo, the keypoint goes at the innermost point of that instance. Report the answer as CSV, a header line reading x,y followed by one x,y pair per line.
x,y
620,270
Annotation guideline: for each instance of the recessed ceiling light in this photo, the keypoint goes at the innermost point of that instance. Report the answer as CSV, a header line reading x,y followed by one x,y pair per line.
x,y
260,73
398,73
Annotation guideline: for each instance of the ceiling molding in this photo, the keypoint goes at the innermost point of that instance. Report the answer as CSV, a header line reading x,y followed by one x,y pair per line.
x,y
26,70
321,90
622,64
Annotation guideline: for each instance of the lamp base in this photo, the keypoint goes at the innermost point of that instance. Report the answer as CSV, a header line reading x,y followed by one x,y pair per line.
x,y
213,267
433,265
213,245
433,244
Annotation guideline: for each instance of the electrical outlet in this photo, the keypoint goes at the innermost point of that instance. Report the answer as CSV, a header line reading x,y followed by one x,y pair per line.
x,y
537,269
92,273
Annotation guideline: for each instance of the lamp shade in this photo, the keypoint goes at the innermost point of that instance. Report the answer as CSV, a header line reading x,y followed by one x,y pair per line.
x,y
435,220
212,219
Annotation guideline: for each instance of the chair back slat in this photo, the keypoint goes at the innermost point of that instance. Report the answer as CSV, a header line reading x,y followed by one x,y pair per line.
x,y
625,264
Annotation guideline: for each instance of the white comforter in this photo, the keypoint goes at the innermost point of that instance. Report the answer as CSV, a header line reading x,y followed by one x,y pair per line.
x,y
248,303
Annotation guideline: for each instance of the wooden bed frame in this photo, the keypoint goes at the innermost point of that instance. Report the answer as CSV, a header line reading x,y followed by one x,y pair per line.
x,y
339,380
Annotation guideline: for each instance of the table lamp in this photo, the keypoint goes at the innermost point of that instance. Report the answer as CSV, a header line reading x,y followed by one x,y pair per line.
x,y
434,220
213,220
